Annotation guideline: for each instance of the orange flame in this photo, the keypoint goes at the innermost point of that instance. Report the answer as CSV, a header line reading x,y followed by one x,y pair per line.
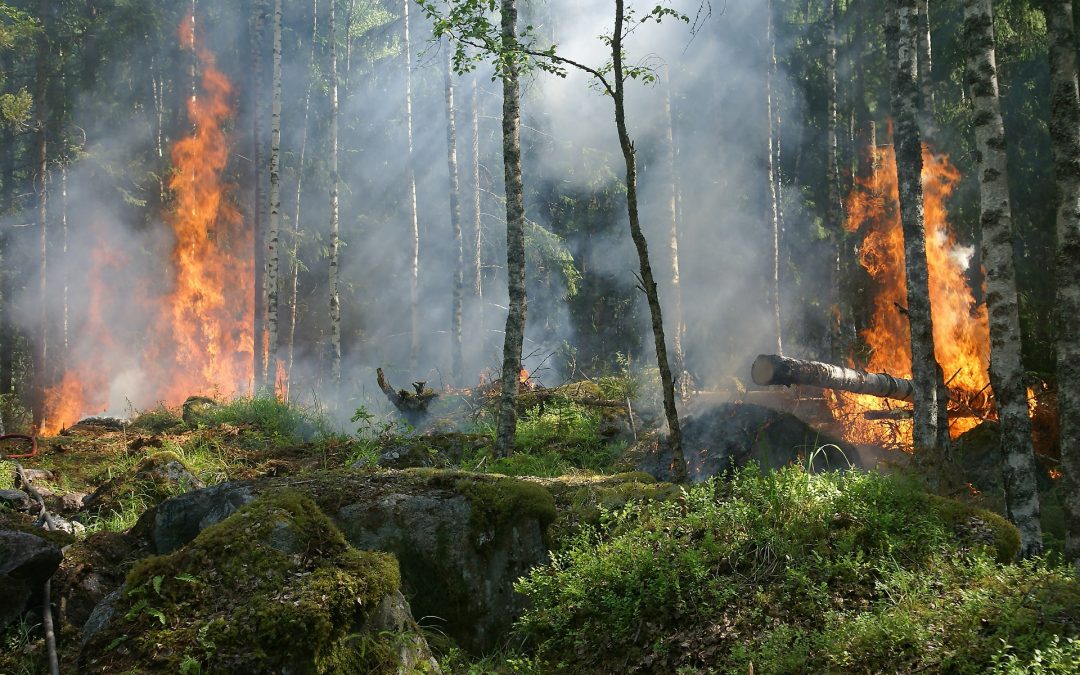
x,y
961,332
202,341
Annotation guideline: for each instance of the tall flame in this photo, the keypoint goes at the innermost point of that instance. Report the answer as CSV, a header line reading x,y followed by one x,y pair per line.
x,y
201,340
961,332
205,342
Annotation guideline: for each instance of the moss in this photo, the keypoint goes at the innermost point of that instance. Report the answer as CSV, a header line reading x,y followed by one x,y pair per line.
x,y
496,501
159,476
273,586
975,526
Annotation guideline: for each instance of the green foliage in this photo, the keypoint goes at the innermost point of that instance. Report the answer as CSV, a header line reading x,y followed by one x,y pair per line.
x,y
264,419
1058,657
793,573
553,438
372,434
158,420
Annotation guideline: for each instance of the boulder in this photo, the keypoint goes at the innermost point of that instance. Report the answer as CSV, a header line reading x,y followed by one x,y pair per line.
x,y
461,539
178,520
16,500
93,568
26,562
730,435
274,587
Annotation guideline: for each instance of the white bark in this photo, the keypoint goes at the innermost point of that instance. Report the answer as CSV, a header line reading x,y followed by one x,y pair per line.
x,y
1006,368
414,224
1065,137
335,297
272,254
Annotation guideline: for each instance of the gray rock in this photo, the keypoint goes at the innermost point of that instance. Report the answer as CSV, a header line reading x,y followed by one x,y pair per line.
x,y
26,562
100,617
36,476
393,615
178,520
16,500
73,501
457,576
728,436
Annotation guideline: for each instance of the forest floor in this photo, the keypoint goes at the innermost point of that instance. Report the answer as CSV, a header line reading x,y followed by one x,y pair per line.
x,y
765,571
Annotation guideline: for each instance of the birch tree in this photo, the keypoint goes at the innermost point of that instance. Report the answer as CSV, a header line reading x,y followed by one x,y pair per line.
x,y
1065,138
259,329
466,22
335,297
458,283
931,434
275,205
1006,369
774,201
414,222
294,274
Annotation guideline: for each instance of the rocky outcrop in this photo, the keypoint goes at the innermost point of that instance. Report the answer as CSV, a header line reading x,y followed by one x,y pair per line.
x,y
461,539
274,587
27,561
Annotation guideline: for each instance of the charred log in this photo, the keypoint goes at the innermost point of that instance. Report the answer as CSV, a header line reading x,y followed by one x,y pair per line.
x,y
772,369
413,405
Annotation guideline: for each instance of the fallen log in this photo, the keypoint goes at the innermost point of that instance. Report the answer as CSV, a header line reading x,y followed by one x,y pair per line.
x,y
773,369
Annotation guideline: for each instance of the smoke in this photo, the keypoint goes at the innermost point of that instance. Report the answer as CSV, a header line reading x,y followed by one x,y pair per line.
x,y
117,263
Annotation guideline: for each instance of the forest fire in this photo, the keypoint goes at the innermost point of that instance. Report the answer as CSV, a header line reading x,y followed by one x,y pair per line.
x,y
200,340
961,333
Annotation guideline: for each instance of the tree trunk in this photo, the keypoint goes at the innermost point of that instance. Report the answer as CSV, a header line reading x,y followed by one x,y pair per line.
x,y
1006,368
259,326
1065,137
930,432
672,203
335,298
834,209
926,77
515,237
772,369
774,217
7,330
647,281
295,259
414,223
478,260
272,254
458,288
40,173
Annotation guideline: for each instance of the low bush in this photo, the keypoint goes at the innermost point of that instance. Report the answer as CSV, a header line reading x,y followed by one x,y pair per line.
x,y
790,573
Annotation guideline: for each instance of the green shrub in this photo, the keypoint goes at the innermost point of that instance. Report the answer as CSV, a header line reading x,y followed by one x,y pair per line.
x,y
267,419
792,573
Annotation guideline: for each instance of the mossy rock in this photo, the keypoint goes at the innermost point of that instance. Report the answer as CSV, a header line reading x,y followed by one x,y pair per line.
x,y
153,480
975,526
273,588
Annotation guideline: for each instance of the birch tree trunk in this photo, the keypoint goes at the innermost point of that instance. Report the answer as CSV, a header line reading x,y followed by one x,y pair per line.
x,y
926,77
774,216
295,257
1065,138
515,235
1006,368
7,330
477,253
931,426
414,223
671,199
647,281
259,332
335,298
458,288
275,208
